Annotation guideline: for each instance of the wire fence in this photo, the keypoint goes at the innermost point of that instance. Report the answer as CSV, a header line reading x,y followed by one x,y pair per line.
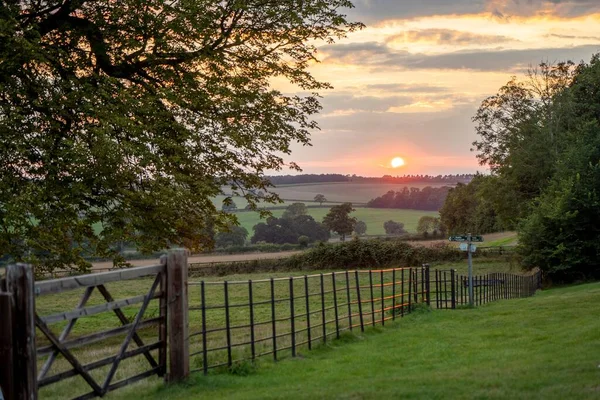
x,y
244,320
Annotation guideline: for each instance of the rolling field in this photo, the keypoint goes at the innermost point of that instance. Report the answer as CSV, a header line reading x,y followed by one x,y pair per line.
x,y
341,192
373,217
544,347
344,192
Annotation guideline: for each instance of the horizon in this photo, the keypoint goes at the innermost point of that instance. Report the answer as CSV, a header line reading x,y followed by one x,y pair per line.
x,y
409,83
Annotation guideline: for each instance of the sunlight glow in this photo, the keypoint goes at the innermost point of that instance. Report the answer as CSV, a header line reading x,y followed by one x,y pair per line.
x,y
397,162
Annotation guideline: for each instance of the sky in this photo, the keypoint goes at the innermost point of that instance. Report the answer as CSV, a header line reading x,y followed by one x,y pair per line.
x,y
409,83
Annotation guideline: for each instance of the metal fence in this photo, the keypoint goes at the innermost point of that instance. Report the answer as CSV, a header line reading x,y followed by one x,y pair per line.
x,y
451,290
244,320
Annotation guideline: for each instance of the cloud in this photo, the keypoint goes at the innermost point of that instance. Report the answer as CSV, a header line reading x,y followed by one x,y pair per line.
x,y
374,11
380,56
447,37
347,104
406,88
576,37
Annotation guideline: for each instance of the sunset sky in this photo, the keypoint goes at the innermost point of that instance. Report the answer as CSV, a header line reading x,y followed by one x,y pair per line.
x,y
408,84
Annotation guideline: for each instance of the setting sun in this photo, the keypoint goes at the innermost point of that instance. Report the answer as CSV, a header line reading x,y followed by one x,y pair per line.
x,y
397,162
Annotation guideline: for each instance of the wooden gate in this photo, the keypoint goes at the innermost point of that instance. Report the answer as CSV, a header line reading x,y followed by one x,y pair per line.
x,y
166,285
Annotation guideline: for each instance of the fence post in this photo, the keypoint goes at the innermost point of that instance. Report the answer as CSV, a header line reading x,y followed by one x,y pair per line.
x,y
453,288
427,284
7,381
177,313
20,283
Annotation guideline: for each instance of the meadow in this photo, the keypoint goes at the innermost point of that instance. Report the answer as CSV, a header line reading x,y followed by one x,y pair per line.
x,y
544,347
56,303
373,217
336,192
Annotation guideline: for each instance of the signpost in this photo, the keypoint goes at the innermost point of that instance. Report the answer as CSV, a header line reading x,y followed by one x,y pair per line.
x,y
470,248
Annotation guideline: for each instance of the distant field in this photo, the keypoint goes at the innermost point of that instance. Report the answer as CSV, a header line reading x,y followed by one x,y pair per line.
x,y
373,217
342,192
334,192
241,202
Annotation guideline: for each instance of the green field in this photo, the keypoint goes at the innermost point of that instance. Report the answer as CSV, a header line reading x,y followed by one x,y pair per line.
x,y
373,217
545,347
341,192
345,191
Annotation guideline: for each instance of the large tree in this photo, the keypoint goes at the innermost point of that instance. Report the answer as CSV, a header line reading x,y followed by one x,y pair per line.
x,y
338,220
120,120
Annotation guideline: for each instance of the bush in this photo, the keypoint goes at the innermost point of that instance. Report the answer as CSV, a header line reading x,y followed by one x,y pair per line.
x,y
303,241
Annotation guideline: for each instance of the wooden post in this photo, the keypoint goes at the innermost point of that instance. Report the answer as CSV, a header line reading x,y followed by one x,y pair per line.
x,y
177,314
6,347
20,283
162,326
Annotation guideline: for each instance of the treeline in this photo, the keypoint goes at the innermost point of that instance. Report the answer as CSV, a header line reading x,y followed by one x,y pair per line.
x,y
541,140
428,198
325,178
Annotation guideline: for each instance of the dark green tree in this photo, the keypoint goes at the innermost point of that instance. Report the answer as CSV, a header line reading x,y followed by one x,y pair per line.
x,y
295,210
320,198
233,236
562,234
338,220
229,206
120,120
360,228
394,228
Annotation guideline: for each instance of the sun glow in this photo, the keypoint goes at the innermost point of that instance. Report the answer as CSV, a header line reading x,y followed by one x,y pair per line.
x,y
397,162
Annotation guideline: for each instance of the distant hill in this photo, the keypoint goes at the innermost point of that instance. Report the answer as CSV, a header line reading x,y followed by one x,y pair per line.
x,y
279,180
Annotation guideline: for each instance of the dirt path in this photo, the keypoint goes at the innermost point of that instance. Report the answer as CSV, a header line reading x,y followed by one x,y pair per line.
x,y
204,259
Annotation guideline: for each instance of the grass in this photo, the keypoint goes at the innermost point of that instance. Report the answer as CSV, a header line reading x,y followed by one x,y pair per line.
x,y
239,316
373,217
544,347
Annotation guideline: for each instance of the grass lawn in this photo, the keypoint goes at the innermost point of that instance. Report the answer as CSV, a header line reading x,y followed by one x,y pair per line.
x,y
545,347
373,217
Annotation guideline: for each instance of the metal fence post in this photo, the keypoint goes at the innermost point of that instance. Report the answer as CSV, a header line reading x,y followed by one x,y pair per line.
x,y
177,303
20,283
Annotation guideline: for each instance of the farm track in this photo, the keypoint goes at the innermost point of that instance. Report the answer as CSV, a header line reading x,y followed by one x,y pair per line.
x,y
205,259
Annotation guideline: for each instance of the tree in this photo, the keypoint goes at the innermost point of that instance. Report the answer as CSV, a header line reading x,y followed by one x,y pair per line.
x,y
229,206
289,230
233,236
320,198
394,228
360,228
295,210
131,115
338,220
561,235
427,224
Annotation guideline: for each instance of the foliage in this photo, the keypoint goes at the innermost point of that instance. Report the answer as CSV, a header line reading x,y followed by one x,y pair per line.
x,y
394,228
131,115
289,230
294,210
520,138
433,225
230,206
233,236
338,220
320,198
360,228
303,241
428,198
466,210
562,234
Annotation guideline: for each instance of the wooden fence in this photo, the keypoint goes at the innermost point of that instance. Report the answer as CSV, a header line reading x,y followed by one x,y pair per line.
x,y
30,344
244,320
